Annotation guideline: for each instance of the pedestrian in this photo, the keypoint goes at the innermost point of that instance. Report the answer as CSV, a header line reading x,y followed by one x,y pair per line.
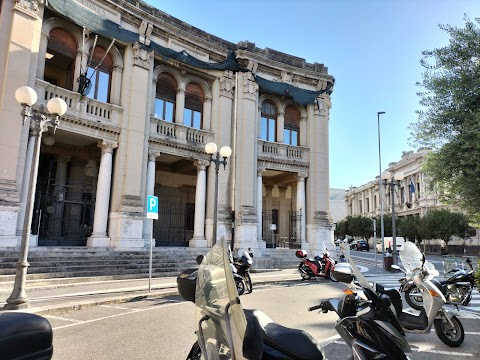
x,y
443,247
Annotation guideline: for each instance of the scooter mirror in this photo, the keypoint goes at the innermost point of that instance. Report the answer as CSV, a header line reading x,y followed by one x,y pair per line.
x,y
396,267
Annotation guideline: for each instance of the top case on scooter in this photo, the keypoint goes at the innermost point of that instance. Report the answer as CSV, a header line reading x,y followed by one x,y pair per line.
x,y
25,336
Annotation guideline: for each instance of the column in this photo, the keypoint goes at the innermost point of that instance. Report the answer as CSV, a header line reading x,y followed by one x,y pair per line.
x,y
207,113
260,171
301,207
150,190
180,104
99,236
280,126
198,239
24,193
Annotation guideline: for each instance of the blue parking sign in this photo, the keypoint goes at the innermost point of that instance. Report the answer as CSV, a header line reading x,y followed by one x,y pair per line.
x,y
152,207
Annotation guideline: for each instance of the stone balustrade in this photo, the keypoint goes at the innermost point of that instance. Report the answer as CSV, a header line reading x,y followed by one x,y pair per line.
x,y
282,152
81,107
179,132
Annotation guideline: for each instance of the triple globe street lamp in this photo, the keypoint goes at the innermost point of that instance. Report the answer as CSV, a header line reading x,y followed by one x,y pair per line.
x,y
225,152
39,122
392,180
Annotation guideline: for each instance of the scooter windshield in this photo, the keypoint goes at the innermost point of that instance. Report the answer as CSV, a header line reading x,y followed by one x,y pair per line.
x,y
358,275
218,311
412,257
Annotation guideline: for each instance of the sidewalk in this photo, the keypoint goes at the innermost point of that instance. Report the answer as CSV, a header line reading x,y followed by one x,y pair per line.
x,y
78,295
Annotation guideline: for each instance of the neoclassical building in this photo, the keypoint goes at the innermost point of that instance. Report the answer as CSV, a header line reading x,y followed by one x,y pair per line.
x,y
415,194
145,92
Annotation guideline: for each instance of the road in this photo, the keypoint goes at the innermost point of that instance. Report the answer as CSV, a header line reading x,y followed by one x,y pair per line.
x,y
163,328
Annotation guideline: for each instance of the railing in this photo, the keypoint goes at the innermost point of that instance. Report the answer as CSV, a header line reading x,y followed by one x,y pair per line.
x,y
83,107
281,151
179,132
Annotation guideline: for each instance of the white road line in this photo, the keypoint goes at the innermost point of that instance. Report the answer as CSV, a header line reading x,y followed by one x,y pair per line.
x,y
118,315
64,319
118,307
422,350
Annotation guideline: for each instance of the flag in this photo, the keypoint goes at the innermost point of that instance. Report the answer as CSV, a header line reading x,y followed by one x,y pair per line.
x,y
411,189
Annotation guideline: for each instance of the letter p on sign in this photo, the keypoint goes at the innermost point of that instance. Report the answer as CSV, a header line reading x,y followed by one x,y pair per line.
x,y
152,207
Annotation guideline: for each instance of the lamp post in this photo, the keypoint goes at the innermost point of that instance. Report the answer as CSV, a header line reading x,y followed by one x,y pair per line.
x,y
225,152
382,228
393,180
39,124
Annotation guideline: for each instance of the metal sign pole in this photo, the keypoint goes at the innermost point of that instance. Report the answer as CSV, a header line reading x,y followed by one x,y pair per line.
x,y
150,263
375,239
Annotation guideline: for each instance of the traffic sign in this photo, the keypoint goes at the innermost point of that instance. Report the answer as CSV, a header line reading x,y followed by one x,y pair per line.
x,y
152,207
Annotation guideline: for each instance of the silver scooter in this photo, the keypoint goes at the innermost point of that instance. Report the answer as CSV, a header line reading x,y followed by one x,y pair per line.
x,y
448,327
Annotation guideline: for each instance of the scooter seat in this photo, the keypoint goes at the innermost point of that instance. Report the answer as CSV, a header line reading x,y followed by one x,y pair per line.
x,y
295,343
25,336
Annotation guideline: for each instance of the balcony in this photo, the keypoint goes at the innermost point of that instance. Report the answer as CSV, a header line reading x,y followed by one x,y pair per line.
x,y
282,152
79,106
179,133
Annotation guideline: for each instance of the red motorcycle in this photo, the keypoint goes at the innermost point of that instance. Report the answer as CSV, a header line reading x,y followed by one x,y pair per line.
x,y
316,267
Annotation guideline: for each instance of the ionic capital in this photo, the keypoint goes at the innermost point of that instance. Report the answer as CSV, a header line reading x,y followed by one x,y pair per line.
x,y
107,146
152,155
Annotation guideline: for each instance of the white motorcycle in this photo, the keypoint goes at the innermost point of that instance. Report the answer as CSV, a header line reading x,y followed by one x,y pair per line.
x,y
448,327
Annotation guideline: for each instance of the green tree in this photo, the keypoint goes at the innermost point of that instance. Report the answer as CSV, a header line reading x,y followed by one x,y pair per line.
x,y
450,121
360,226
443,224
341,230
408,227
387,226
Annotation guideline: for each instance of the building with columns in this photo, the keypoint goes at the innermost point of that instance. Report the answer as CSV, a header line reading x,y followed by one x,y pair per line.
x,y
414,196
145,92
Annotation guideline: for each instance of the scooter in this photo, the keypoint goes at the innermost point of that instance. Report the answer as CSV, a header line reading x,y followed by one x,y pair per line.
x,y
316,267
457,288
448,328
243,265
369,326
225,330
25,336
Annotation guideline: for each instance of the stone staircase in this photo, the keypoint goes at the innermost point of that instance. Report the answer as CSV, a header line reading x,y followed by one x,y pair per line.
x,y
56,266
83,263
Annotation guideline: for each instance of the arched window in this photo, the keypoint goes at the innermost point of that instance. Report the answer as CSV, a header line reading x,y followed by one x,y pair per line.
x,y
291,132
100,78
268,121
192,113
165,97
60,59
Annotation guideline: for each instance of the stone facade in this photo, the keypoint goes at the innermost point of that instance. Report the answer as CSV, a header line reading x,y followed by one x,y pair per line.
x,y
141,127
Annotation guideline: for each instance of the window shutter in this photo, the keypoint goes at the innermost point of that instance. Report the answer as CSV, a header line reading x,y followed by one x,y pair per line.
x,y
98,54
166,87
62,42
292,118
194,97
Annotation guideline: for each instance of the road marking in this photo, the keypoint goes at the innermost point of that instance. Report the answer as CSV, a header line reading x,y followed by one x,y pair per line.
x,y
118,307
117,315
420,350
64,319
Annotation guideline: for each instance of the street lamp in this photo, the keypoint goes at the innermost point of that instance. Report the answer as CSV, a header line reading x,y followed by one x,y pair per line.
x,y
393,180
39,124
225,152
382,228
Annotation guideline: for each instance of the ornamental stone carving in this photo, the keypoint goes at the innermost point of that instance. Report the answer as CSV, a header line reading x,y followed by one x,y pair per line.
x,y
227,84
152,155
201,164
260,170
301,176
107,146
29,5
141,56
250,87
323,105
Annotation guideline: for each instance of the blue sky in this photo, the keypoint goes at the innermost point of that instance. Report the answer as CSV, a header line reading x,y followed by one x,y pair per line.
x,y
372,48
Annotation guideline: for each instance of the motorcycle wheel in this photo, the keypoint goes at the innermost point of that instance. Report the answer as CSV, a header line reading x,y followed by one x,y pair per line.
x,y
330,275
240,286
248,283
452,336
303,273
414,298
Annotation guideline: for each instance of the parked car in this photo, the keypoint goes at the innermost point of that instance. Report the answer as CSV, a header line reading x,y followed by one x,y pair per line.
x,y
353,244
362,245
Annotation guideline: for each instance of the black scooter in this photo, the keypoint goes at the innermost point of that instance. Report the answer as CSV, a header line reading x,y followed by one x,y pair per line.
x,y
370,327
25,336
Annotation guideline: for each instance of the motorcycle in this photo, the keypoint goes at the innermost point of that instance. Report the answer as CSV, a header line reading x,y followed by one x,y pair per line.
x,y
448,328
457,288
316,267
242,266
25,336
369,326
225,330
